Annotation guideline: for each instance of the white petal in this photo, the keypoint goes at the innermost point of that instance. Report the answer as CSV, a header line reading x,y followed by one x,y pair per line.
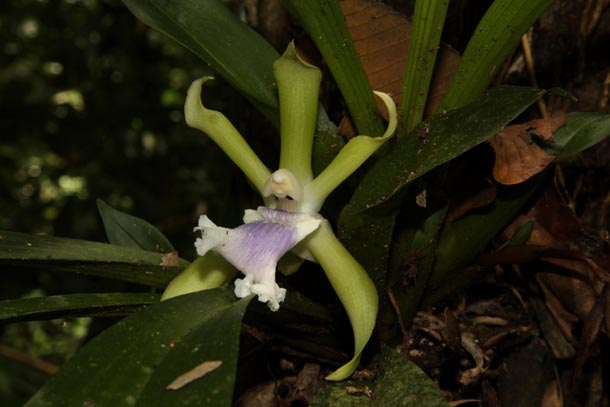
x,y
256,246
212,236
250,215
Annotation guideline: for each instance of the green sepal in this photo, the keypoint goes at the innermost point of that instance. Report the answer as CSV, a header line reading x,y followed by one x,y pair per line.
x,y
354,288
207,272
349,159
224,134
298,85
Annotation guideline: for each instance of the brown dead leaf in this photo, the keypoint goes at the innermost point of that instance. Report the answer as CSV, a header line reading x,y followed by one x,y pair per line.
x,y
169,259
518,156
196,373
381,37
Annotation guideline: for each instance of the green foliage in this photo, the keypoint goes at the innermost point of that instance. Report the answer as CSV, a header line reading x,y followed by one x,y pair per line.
x,y
141,355
399,383
80,256
494,39
218,37
128,231
428,19
74,305
324,21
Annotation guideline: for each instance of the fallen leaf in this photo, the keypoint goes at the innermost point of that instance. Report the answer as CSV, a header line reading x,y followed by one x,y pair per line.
x,y
196,373
381,37
518,155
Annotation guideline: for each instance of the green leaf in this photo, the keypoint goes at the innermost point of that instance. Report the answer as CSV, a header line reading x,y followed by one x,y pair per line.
x,y
461,241
221,39
134,361
439,140
399,383
494,40
74,305
418,254
324,22
581,131
428,20
128,231
522,234
90,258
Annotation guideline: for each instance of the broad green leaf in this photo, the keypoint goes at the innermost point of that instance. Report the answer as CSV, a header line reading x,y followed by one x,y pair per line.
x,y
428,21
461,241
399,383
439,140
206,27
217,339
74,305
324,22
128,231
494,40
90,258
134,361
581,131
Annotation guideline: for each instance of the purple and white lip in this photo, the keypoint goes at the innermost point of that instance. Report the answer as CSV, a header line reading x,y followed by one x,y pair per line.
x,y
255,248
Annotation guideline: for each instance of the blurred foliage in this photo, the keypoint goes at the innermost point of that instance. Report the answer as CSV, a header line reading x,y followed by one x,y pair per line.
x,y
91,107
81,107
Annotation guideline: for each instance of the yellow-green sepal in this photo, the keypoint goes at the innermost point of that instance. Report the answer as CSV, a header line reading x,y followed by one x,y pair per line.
x,y
206,272
224,134
353,286
351,156
298,86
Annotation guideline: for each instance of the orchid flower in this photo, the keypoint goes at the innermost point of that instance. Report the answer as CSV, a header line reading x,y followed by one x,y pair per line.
x,y
293,199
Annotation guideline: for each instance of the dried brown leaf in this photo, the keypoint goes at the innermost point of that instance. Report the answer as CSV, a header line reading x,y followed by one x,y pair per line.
x,y
381,37
518,156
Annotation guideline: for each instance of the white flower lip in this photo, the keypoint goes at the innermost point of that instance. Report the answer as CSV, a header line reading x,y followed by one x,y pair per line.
x,y
255,247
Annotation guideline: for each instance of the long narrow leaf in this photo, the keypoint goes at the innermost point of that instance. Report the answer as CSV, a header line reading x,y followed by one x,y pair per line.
x,y
91,258
74,305
325,24
495,38
428,20
230,47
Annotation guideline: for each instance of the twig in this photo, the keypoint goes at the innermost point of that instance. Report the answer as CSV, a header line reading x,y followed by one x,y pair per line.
x,y
529,62
28,360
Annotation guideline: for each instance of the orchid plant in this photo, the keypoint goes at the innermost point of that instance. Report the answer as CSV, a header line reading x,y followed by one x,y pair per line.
x,y
290,219
185,349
